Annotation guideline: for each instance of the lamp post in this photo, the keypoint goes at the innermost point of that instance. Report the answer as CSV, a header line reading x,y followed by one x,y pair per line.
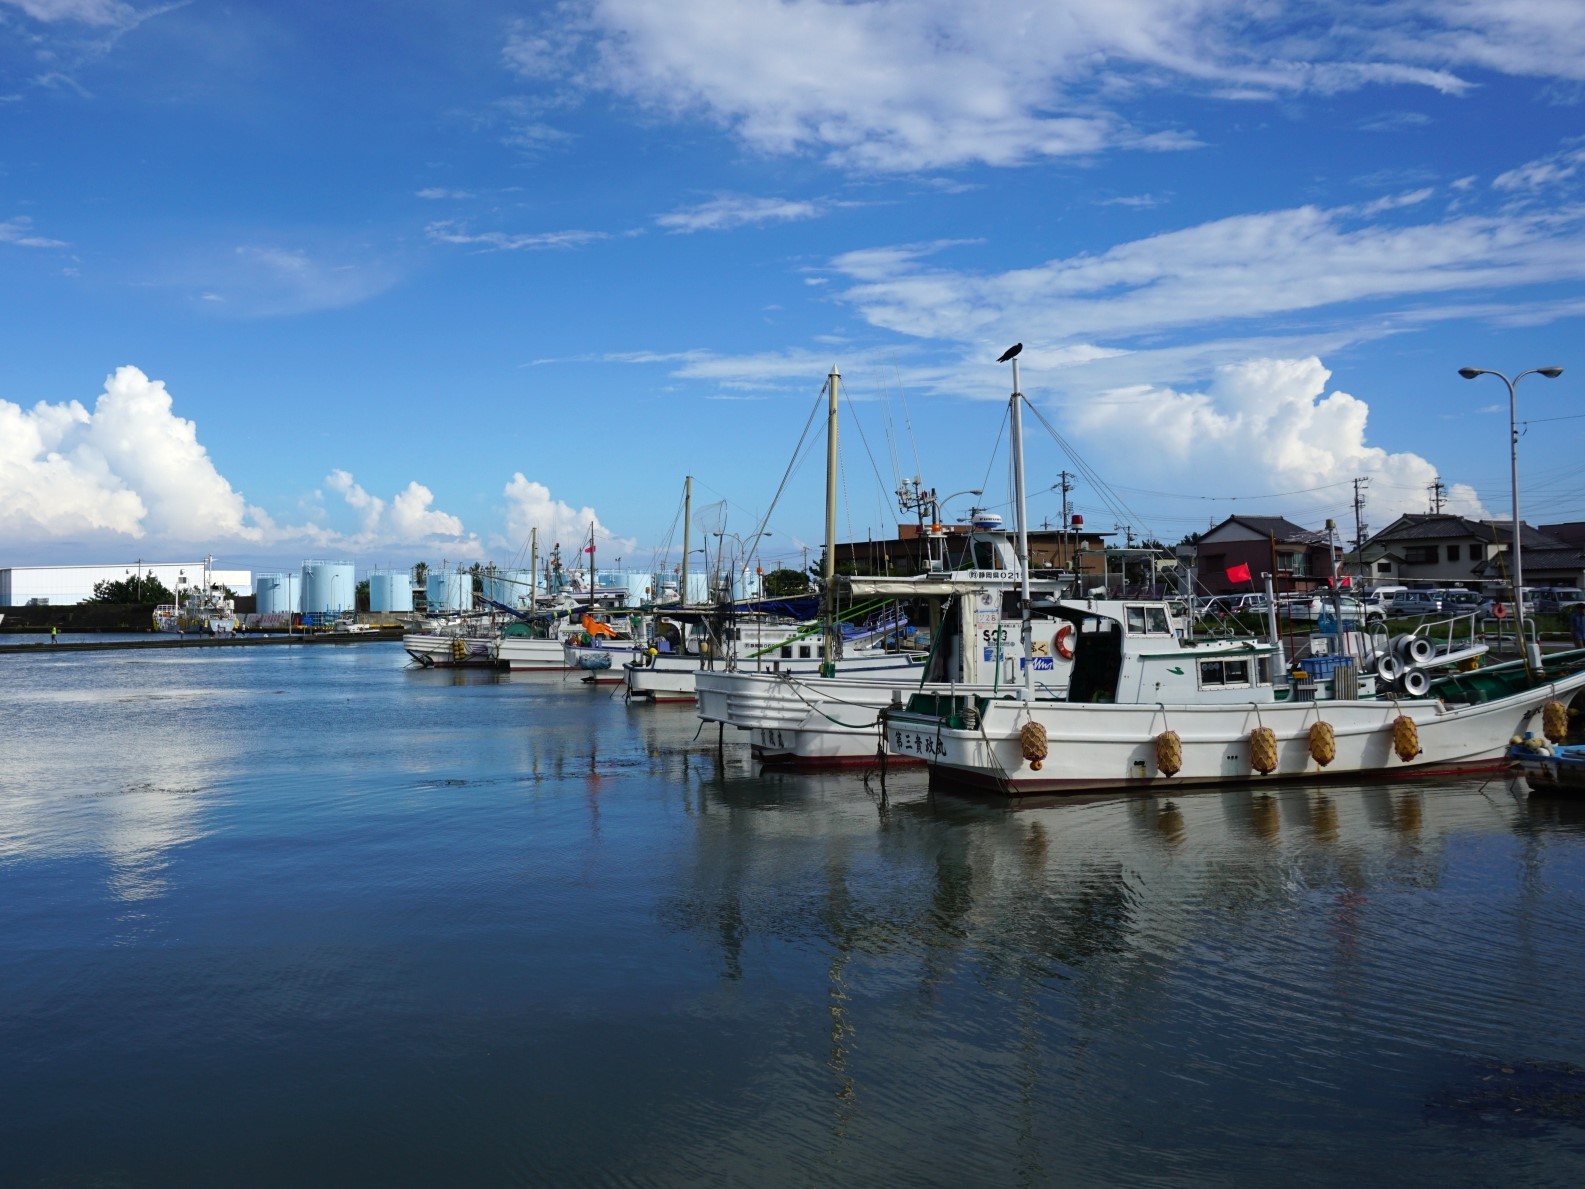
x,y
1531,653
935,518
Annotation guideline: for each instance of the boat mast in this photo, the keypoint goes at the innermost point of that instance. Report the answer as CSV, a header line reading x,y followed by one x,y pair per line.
x,y
687,519
1026,629
828,568
591,567
533,568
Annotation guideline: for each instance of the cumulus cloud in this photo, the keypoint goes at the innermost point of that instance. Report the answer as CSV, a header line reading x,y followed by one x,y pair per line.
x,y
406,519
1272,424
129,468
529,506
895,85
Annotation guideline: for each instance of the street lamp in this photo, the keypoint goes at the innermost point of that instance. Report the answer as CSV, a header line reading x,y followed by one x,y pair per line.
x,y
938,504
1532,654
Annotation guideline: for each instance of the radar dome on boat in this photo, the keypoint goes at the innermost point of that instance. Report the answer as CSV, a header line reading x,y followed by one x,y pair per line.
x,y
987,522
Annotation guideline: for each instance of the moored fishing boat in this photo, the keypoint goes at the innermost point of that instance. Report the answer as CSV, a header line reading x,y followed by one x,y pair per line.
x,y
1161,714
205,608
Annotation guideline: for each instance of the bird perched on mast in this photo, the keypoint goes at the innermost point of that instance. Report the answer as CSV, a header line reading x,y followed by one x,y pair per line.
x,y
1010,352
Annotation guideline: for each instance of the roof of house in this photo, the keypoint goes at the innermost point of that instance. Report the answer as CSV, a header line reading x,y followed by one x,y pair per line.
x,y
1277,527
1570,533
1439,526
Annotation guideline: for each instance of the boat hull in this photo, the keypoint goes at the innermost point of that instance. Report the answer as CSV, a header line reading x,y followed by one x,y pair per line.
x,y
1105,746
449,651
802,719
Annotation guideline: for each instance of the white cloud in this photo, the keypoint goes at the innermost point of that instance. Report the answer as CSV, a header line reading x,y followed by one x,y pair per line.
x,y
1270,423
529,506
1244,267
916,84
407,519
451,232
436,193
733,210
1551,170
19,231
130,468
87,12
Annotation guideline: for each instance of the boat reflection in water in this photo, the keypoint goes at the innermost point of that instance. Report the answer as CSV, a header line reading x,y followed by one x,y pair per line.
x,y
388,925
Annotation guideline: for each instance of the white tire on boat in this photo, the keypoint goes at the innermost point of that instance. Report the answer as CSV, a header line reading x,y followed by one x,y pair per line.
x,y
1416,683
1388,668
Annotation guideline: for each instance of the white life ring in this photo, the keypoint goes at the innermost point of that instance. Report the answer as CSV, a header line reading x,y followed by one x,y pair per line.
x,y
1063,641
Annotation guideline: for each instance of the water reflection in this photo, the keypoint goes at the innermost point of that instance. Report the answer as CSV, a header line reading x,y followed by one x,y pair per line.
x,y
681,968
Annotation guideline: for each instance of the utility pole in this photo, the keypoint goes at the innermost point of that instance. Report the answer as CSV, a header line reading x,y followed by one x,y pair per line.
x,y
1065,485
1438,493
1359,525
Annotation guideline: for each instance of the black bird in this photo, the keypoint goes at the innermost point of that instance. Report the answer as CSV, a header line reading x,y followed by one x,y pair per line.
x,y
1010,352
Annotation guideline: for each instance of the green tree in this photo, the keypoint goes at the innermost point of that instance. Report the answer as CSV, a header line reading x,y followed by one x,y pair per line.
x,y
132,589
779,583
360,596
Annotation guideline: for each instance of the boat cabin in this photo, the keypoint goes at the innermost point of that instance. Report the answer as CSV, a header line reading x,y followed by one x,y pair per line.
x,y
1128,651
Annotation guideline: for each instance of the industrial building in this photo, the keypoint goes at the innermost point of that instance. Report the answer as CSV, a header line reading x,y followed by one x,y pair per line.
x,y
21,586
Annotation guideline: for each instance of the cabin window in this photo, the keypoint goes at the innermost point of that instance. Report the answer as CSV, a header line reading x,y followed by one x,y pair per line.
x,y
803,652
984,555
786,652
1222,674
1156,620
1136,619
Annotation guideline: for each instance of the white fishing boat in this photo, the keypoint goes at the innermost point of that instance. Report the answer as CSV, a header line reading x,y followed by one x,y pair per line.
x,y
1150,713
203,608
680,650
831,713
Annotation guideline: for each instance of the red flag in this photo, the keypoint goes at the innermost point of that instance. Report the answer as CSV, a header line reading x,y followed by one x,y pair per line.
x,y
588,548
1239,573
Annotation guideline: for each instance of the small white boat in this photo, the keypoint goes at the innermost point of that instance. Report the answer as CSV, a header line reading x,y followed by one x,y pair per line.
x,y
203,608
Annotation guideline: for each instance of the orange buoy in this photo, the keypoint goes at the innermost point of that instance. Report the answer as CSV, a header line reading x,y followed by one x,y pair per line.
x,y
1405,738
1323,743
1263,750
1032,742
1554,721
1169,753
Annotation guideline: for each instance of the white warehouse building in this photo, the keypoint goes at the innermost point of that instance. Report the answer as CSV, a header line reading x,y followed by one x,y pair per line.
x,y
22,585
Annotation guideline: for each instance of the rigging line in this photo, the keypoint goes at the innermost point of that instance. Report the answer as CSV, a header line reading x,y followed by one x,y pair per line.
x,y
801,448
1543,420
1114,503
853,415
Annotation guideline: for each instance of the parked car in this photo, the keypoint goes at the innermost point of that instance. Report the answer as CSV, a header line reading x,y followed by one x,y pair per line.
x,y
1555,600
1417,602
1310,608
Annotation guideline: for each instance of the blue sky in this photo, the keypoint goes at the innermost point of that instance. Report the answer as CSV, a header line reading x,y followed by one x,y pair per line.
x,y
399,281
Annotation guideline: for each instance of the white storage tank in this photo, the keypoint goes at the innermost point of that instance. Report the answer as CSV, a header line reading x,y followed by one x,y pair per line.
x,y
328,588
390,590
277,593
449,590
512,587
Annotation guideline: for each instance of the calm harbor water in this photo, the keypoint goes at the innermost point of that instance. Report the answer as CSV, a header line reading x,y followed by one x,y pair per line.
x,y
307,916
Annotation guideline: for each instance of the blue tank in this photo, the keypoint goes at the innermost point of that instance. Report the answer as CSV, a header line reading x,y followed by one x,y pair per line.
x,y
390,590
449,590
328,588
277,593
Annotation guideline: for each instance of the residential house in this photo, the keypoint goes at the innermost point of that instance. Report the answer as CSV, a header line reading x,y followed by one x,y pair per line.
x,y
1441,549
1303,557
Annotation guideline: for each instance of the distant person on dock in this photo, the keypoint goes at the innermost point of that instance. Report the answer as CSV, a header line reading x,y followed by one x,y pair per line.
x,y
55,634
1576,625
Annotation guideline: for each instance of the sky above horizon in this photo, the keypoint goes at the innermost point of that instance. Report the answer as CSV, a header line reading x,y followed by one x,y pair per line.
x,y
403,281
